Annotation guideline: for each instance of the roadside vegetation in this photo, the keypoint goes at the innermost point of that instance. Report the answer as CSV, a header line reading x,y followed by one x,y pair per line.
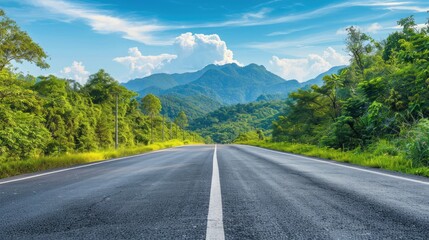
x,y
48,121
383,155
375,112
12,168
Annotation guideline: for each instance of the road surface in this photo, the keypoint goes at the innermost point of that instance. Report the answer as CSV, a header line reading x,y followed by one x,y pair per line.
x,y
241,192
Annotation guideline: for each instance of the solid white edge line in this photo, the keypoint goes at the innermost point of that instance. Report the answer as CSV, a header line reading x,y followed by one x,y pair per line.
x,y
344,166
215,228
83,166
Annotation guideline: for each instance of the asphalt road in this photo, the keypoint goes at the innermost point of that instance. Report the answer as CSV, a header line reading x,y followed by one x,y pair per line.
x,y
252,194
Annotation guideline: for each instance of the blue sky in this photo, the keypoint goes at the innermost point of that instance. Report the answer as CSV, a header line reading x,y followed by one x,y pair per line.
x,y
129,39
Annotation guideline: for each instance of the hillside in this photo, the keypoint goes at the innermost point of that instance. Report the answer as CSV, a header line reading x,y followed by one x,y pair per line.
x,y
194,106
226,123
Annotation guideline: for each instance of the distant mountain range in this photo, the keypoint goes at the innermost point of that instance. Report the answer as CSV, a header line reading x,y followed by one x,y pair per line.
x,y
213,86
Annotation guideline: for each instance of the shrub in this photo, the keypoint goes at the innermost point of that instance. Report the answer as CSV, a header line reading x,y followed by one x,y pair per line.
x,y
417,143
384,147
247,136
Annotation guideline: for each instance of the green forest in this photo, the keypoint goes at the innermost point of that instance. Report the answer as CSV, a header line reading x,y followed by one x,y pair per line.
x,y
379,103
227,123
50,116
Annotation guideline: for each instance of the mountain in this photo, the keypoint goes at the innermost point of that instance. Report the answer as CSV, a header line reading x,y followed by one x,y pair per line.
x,y
203,91
159,80
228,122
319,79
162,81
232,84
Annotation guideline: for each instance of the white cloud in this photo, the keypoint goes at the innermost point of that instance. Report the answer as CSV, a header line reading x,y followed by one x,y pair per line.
x,y
376,27
256,15
145,65
373,28
418,26
103,23
410,8
421,26
322,11
191,52
76,72
303,69
279,33
334,57
300,42
343,31
195,51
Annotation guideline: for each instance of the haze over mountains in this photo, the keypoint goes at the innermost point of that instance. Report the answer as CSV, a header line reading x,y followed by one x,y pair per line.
x,y
206,90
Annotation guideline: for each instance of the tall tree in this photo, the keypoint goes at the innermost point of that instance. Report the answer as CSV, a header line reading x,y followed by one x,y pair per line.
x,y
152,107
101,87
16,45
357,44
182,121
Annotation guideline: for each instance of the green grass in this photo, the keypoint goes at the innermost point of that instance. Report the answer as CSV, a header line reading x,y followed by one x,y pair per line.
x,y
12,168
379,157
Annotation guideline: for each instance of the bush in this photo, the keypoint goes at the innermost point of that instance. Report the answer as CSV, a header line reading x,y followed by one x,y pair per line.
x,y
417,142
384,147
247,136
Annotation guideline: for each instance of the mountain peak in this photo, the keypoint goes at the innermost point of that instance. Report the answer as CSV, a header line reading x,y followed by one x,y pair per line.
x,y
256,66
234,65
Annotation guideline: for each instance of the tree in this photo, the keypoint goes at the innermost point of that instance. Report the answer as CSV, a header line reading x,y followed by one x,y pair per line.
x,y
330,88
408,25
357,44
260,135
22,133
151,107
16,45
182,121
101,87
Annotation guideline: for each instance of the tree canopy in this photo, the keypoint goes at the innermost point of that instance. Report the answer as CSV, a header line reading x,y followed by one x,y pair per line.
x,y
382,94
182,119
151,105
16,45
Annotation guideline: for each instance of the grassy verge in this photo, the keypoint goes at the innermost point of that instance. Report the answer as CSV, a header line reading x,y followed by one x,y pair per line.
x,y
375,159
12,168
